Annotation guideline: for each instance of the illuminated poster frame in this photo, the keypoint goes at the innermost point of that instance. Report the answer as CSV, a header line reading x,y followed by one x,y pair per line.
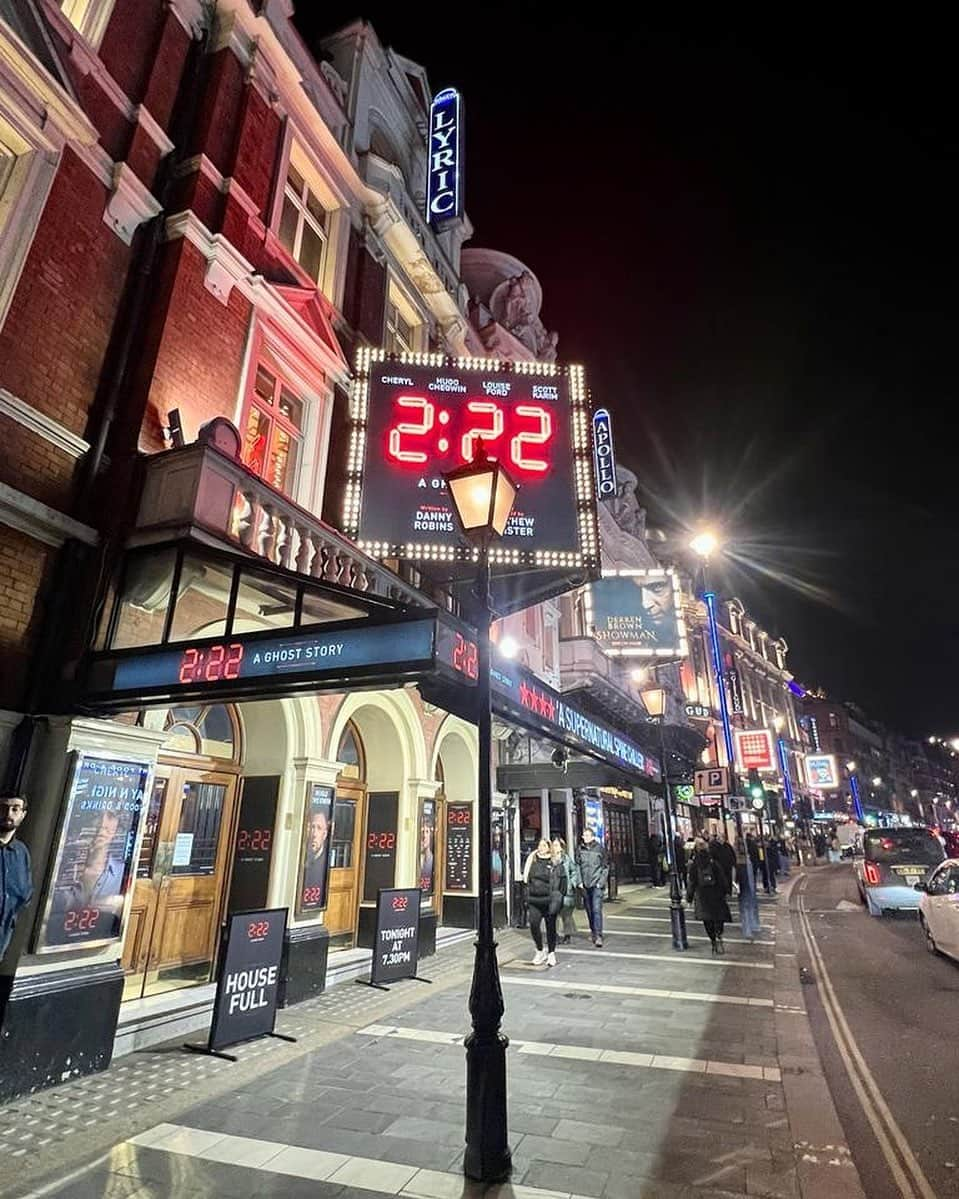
x,y
822,771
750,754
583,554
628,642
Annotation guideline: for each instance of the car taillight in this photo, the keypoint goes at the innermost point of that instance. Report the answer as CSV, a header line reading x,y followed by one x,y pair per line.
x,y
872,874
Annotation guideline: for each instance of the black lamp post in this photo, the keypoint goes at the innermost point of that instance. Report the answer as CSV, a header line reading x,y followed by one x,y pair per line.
x,y
655,701
482,495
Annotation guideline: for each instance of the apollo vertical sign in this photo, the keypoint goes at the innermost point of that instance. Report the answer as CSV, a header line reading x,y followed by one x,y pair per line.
x,y
444,194
603,454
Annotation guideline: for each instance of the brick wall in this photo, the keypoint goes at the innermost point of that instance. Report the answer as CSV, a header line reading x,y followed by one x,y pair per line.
x,y
32,464
23,567
59,324
200,355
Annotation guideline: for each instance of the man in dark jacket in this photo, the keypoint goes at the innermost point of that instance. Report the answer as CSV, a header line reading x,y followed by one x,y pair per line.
x,y
679,857
655,847
593,863
16,880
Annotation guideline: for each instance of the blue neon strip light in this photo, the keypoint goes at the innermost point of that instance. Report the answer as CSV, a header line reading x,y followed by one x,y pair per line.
x,y
857,802
784,767
710,598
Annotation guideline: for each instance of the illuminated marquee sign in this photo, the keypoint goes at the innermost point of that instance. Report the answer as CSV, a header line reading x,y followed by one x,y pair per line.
x,y
517,692
822,771
417,416
754,749
603,458
637,613
444,197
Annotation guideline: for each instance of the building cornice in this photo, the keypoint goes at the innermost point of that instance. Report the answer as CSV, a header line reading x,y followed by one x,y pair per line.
x,y
130,205
41,522
35,102
38,422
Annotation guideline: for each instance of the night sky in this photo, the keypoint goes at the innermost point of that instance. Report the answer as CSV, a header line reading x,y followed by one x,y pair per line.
x,y
748,235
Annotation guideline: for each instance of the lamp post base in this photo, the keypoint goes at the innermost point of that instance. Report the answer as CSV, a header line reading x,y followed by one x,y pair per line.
x,y
488,1157
677,919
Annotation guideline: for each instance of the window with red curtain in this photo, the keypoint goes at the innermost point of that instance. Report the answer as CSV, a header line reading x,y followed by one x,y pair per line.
x,y
272,428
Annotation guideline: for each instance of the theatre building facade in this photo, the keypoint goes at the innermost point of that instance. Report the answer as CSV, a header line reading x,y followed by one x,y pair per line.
x,y
211,697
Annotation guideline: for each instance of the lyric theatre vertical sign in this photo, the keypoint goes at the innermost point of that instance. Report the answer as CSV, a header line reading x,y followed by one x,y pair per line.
x,y
444,199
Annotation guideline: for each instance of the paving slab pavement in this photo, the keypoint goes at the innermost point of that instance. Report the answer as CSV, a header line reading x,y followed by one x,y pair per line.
x,y
685,1078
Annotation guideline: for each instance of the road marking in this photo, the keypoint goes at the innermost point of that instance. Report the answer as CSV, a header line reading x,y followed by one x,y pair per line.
x,y
679,958
318,1165
766,928
860,1077
588,1053
647,992
623,932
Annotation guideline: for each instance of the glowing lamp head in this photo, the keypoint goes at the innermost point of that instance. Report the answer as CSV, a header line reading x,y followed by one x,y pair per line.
x,y
704,544
655,701
914,793
850,766
482,494
508,647
877,781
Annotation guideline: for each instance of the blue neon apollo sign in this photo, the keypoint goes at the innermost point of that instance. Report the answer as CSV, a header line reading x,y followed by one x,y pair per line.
x,y
444,184
603,456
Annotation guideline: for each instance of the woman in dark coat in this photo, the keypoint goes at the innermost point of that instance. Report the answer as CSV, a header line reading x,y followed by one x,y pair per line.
x,y
545,881
708,887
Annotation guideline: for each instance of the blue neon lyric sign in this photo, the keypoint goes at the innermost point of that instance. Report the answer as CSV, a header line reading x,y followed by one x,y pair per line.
x,y
710,598
444,183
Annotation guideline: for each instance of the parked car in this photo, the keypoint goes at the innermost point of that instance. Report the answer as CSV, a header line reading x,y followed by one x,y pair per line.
x,y
893,861
939,909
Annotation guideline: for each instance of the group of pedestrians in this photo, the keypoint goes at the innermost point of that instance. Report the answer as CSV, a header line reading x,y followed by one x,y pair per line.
x,y
714,867
553,876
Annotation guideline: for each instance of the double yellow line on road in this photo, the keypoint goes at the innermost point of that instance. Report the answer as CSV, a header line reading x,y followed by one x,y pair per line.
x,y
900,1158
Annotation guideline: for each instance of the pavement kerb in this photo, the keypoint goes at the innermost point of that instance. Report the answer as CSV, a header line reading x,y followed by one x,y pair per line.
x,y
92,1143
824,1163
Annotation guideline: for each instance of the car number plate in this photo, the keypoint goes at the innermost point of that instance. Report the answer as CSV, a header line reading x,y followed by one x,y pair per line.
x,y
909,872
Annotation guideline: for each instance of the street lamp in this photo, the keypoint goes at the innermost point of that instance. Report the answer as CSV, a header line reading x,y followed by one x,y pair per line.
x,y
877,781
854,788
482,495
705,544
655,701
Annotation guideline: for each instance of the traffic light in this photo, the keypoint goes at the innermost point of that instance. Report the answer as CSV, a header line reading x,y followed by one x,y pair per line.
x,y
755,787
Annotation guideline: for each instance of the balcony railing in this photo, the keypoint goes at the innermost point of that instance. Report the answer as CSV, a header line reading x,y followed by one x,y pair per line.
x,y
200,492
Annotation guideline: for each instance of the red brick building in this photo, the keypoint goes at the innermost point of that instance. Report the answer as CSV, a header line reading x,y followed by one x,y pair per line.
x,y
198,219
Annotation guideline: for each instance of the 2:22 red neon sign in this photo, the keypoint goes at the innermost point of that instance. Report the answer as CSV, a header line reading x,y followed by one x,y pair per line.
x,y
424,431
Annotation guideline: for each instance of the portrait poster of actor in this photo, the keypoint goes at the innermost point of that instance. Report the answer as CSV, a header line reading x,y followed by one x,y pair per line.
x,y
316,848
427,845
636,611
95,858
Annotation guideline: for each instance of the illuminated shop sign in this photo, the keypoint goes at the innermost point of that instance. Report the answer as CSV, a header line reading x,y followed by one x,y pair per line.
x,y
637,613
268,663
754,749
444,197
604,459
822,771
518,693
698,712
415,417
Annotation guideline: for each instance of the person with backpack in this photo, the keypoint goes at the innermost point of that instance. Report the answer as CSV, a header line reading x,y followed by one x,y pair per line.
x,y
545,887
707,890
573,881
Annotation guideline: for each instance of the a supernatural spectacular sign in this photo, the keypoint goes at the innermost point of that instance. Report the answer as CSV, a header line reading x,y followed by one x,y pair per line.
x,y
415,417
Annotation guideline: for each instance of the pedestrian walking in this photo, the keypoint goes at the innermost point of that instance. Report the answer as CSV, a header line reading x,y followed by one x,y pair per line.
x,y
819,844
727,858
16,874
679,856
835,849
573,881
772,862
785,856
707,890
655,853
748,899
593,863
545,887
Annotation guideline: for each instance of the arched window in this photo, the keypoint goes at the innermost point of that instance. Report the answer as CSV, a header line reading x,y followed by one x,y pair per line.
x,y
350,753
209,730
